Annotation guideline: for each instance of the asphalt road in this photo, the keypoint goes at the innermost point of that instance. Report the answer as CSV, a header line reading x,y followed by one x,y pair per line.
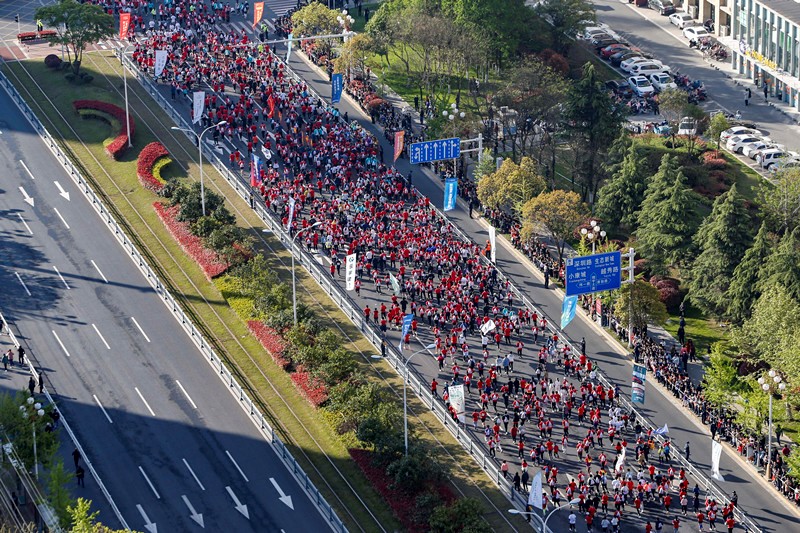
x,y
167,438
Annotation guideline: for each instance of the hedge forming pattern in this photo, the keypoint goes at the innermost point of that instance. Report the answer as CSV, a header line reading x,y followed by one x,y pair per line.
x,y
147,170
119,145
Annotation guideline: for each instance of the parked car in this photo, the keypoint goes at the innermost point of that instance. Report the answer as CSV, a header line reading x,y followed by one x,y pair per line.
x,y
695,33
620,88
612,49
646,69
662,81
785,164
641,86
752,150
682,20
599,44
767,158
687,126
738,130
737,143
591,31
663,7
628,64
622,55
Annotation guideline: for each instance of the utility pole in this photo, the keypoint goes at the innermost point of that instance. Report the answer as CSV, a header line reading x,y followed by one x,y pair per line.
x,y
631,255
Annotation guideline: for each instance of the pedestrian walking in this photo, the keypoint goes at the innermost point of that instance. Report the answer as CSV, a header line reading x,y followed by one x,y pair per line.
x,y
76,456
41,382
21,354
517,481
747,97
686,450
766,91
749,93
5,359
79,474
31,385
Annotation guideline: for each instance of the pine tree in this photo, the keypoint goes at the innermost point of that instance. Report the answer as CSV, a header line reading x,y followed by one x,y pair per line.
x,y
744,288
620,198
667,223
783,266
722,240
658,185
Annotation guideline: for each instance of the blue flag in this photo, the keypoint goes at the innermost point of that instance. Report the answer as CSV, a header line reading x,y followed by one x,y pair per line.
x,y
337,84
568,308
450,193
406,326
637,387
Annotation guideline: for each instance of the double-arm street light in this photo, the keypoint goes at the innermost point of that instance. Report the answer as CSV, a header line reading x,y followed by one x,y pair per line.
x,y
593,234
771,383
294,285
544,520
200,144
28,414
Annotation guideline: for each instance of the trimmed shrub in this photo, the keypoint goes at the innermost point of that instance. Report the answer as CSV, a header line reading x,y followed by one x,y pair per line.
x,y
148,166
270,340
714,160
668,291
52,61
117,147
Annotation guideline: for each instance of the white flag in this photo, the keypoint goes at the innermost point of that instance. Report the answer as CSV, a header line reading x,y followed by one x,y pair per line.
x,y
395,284
350,272
199,99
291,215
662,430
620,466
161,62
288,48
457,401
716,452
535,496
492,243
487,327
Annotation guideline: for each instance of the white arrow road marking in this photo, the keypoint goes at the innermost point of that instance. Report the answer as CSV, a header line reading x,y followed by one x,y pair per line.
x,y
61,191
145,401
102,408
236,465
197,517
98,271
62,277
59,342
101,336
283,497
239,507
23,283
59,216
186,394
140,329
27,227
21,162
148,525
26,197
150,483
193,474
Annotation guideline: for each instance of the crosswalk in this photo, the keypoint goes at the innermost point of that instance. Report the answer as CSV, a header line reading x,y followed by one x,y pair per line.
x,y
279,8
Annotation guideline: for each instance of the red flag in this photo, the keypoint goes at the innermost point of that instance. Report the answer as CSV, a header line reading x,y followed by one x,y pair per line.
x,y
258,12
271,104
399,137
124,25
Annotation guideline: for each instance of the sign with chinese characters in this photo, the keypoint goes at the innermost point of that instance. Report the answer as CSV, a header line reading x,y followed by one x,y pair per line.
x,y
425,152
593,273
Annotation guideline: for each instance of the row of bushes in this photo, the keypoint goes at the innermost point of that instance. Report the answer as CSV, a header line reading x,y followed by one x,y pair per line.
x,y
151,160
35,35
119,145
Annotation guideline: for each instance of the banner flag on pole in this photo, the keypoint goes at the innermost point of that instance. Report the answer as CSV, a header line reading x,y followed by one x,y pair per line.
x,y
450,193
716,452
457,401
337,84
350,272
568,308
254,172
124,25
395,284
292,204
399,139
662,430
161,62
406,327
637,387
271,105
535,496
493,243
620,466
258,12
488,326
289,48
199,100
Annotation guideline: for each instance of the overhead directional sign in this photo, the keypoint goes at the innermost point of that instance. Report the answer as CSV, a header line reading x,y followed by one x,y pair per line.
x,y
594,273
428,151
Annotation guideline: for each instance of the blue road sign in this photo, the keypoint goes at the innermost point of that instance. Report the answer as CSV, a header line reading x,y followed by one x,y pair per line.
x,y
594,273
428,151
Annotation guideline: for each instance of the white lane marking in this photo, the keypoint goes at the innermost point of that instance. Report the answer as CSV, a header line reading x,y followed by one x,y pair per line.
x,y
140,329
23,283
149,483
238,504
61,191
101,336
236,465
62,278
62,218
98,270
197,517
186,393
145,401
148,525
193,474
102,408
26,197
27,227
21,162
59,342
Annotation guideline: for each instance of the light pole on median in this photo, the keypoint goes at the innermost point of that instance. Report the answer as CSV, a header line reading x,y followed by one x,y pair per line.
x,y
294,284
771,383
405,397
125,82
200,144
544,520
26,413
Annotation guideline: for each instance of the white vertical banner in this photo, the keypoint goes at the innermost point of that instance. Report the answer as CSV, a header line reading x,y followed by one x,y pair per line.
x,y
535,496
487,327
493,243
161,62
457,401
199,100
620,466
291,214
350,272
716,452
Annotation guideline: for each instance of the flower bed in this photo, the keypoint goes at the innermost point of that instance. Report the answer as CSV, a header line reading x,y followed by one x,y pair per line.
x,y
34,35
119,145
310,387
270,340
208,260
148,171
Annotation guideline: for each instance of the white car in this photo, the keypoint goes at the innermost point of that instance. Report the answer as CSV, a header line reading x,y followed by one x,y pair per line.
x,y
647,69
629,63
682,20
641,86
738,130
662,81
737,143
768,158
785,164
591,31
687,126
752,150
695,32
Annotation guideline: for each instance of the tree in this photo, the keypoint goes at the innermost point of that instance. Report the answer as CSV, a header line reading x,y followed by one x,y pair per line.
x,y
646,308
465,515
720,379
780,200
666,225
672,105
558,213
511,186
487,165
722,240
744,288
77,26
783,266
568,19
18,428
719,123
354,52
85,521
58,493
620,199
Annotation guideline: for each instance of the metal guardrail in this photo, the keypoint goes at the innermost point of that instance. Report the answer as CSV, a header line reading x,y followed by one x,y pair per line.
x,y
252,410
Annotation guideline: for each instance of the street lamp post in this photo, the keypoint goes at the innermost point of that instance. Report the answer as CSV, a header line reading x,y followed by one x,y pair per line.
x,y
594,234
345,21
26,413
771,383
200,144
451,115
405,401
125,82
544,520
294,290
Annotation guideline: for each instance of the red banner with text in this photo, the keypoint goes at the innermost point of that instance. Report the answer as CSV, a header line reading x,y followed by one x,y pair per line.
x,y
258,12
399,137
124,25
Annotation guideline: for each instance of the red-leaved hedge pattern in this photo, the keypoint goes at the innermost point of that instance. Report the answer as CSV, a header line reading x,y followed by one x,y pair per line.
x,y
311,388
120,143
270,340
208,260
144,165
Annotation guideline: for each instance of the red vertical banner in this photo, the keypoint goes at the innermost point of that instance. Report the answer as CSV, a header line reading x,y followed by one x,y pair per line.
x,y
258,12
124,25
399,137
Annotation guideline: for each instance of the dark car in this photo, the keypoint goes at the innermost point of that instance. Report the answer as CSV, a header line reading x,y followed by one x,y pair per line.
x,y
620,88
599,45
664,7
622,55
612,49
